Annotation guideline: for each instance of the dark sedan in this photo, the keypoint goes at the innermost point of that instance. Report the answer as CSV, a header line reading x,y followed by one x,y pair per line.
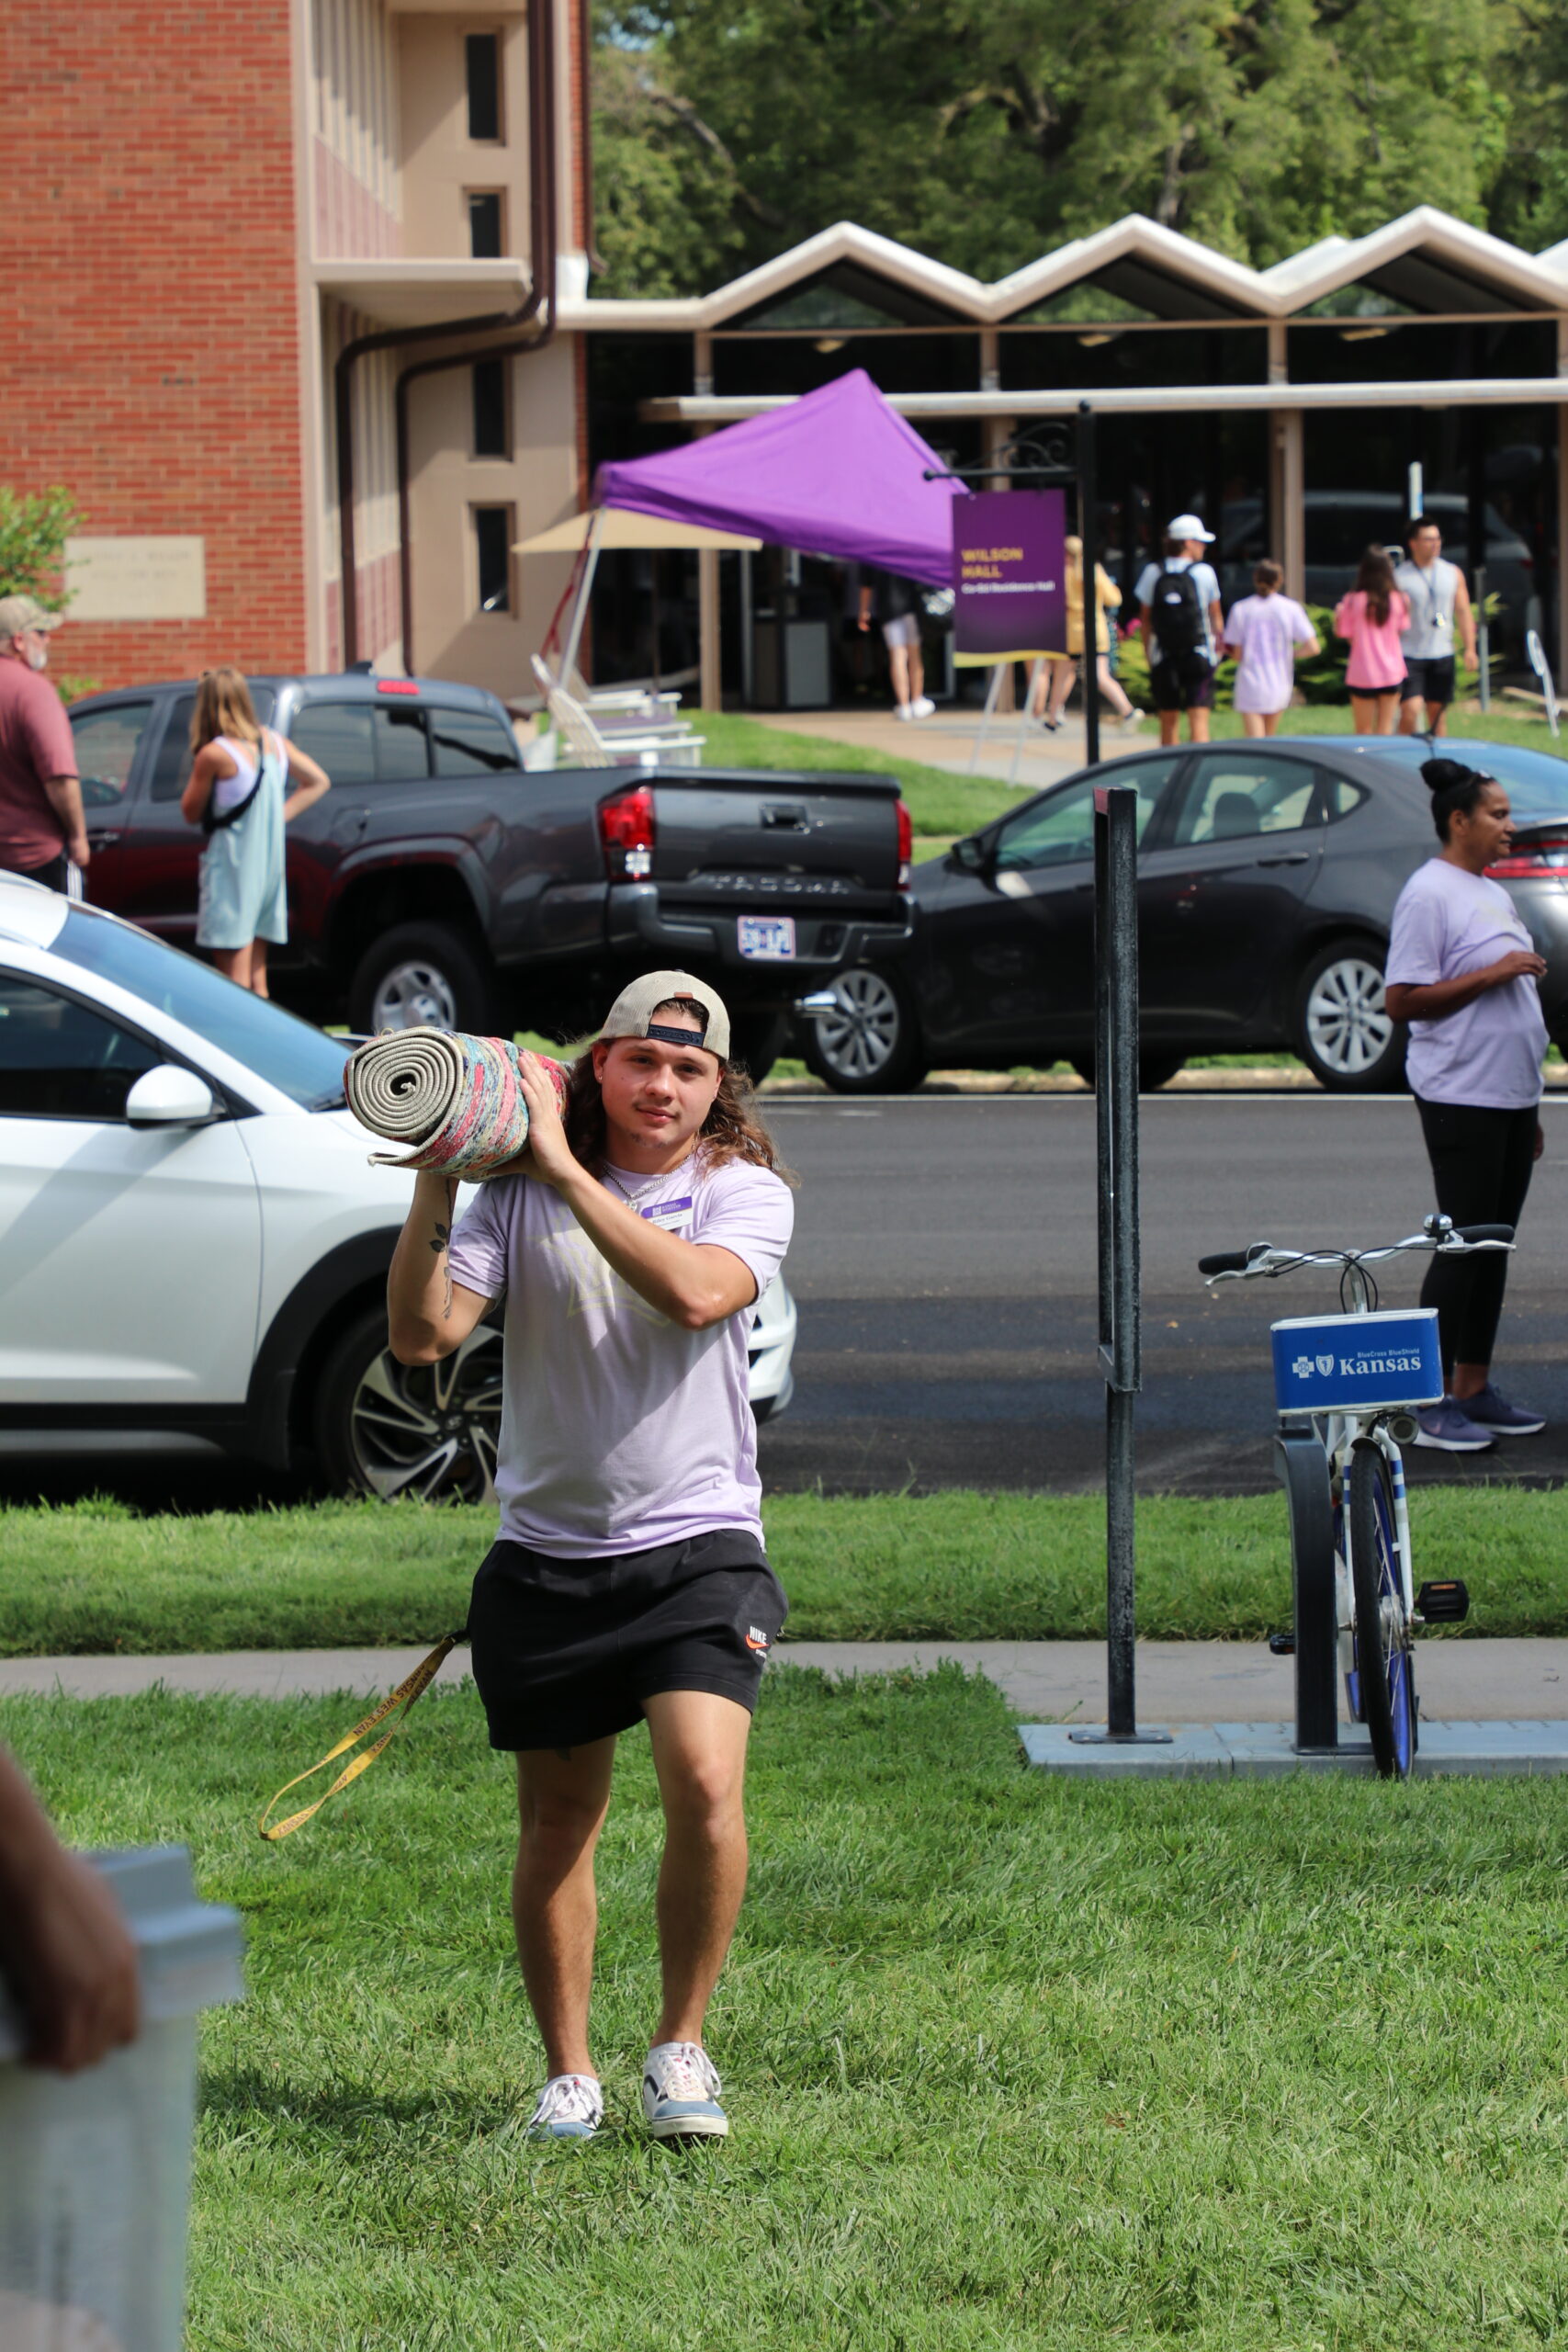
x,y
1266,878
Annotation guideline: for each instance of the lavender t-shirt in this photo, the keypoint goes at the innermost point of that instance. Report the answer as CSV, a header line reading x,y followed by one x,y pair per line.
x,y
1262,629
1489,1053
620,1430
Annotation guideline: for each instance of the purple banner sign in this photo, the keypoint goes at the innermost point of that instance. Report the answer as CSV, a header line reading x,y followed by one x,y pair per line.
x,y
1009,574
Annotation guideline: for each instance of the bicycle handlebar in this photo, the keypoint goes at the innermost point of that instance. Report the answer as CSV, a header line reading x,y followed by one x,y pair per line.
x,y
1263,1258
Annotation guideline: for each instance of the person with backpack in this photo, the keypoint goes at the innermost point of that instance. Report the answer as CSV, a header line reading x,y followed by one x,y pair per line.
x,y
236,795
1181,623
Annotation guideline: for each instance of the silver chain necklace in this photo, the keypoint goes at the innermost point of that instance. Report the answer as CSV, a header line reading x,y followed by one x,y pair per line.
x,y
635,1200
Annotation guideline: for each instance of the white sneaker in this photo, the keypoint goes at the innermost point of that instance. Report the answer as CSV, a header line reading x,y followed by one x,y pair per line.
x,y
1131,724
922,706
572,2106
905,710
679,2094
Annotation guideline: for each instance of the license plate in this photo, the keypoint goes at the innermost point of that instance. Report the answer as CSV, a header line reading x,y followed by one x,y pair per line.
x,y
767,939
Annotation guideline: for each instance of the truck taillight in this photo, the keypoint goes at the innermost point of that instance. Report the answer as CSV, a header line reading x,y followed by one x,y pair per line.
x,y
1543,861
906,846
625,827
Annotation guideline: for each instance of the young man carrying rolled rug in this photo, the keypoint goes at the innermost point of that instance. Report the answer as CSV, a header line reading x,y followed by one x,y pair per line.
x,y
631,1241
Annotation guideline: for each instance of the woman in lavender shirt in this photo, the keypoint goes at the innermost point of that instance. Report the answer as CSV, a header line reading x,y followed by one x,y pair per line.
x,y
1463,971
1263,632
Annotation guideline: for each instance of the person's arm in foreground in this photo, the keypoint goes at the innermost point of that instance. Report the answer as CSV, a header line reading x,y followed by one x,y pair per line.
x,y
428,1314
65,1951
1405,1002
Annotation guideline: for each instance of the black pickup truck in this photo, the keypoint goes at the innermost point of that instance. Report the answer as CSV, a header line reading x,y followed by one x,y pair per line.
x,y
439,880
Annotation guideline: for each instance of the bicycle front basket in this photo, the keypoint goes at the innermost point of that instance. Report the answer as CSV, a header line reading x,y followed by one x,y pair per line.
x,y
1346,1363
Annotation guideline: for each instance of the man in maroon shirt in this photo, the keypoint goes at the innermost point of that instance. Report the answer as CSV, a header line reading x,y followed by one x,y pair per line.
x,y
43,831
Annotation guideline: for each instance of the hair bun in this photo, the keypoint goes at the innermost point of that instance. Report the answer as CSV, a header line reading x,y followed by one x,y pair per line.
x,y
1439,774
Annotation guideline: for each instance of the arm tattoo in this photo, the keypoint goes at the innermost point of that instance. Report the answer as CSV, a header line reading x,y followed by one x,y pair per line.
x,y
441,1244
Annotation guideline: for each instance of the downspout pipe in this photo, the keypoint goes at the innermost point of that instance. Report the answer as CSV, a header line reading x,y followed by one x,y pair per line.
x,y
541,138
544,241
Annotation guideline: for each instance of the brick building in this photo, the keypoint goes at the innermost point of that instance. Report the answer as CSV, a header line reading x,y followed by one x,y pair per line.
x,y
240,229
298,310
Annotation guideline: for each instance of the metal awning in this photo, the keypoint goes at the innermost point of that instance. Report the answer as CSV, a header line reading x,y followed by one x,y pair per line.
x,y
1469,391
423,293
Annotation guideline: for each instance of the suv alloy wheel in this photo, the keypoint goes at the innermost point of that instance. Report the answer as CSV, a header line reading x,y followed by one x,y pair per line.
x,y
389,1429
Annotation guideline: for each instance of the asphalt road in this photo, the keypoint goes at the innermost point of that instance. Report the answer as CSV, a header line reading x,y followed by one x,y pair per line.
x,y
944,1265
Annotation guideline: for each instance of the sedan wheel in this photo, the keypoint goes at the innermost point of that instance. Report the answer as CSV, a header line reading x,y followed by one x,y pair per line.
x,y
869,1044
1346,1035
390,1428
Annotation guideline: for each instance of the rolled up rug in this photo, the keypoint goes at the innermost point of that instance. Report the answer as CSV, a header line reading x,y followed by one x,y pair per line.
x,y
450,1101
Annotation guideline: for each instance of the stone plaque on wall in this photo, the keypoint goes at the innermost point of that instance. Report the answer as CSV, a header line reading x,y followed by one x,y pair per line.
x,y
136,579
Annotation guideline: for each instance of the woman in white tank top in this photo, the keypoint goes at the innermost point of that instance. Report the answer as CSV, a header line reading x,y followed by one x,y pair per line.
x,y
236,795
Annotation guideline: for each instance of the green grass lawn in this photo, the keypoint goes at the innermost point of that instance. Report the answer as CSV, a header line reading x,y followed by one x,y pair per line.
x,y
1013,2065
940,805
94,1578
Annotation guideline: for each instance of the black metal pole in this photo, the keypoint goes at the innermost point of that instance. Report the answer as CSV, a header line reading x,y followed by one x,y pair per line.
x,y
1116,1124
1088,532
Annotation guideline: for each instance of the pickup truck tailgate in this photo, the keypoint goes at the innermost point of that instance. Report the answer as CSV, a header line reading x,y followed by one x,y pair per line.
x,y
827,843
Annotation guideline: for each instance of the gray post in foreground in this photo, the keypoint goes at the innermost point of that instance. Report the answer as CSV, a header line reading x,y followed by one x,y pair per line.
x,y
1116,1120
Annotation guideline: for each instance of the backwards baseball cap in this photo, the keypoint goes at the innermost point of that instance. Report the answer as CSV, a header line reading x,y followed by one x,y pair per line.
x,y
1189,527
632,1013
17,612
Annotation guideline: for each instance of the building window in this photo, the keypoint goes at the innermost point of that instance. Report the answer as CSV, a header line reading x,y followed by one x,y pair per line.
x,y
493,547
485,225
483,53
491,438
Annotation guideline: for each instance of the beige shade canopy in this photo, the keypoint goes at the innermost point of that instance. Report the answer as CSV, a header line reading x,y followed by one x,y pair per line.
x,y
620,527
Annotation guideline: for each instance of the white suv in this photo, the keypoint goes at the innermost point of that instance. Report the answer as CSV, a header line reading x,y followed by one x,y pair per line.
x,y
192,1240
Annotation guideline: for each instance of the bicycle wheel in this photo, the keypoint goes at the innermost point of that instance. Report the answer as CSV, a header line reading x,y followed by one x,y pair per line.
x,y
1383,1681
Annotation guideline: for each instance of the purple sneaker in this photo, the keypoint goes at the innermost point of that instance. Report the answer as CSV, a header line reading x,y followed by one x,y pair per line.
x,y
1490,1410
1449,1427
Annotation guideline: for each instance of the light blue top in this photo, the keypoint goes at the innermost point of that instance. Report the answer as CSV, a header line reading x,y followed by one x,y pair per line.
x,y
242,894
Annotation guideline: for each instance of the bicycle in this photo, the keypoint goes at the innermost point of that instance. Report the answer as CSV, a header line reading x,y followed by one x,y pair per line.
x,y
1355,1392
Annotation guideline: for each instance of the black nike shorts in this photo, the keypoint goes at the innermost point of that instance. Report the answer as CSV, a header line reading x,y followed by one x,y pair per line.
x,y
566,1651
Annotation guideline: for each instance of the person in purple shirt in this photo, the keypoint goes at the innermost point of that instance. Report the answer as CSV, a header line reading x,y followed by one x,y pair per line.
x,y
1463,971
1263,632
629,1584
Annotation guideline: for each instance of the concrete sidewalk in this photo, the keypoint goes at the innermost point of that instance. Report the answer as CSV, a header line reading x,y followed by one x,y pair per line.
x,y
1177,1682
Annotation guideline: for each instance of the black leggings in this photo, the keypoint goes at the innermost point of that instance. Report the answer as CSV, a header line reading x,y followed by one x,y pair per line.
x,y
1481,1161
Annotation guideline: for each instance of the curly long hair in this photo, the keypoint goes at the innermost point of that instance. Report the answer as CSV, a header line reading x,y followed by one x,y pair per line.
x,y
732,1129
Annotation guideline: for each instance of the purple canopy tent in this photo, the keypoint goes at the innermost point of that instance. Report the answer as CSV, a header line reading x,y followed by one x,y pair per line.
x,y
838,473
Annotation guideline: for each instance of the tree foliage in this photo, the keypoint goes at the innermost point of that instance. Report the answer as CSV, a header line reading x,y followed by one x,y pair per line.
x,y
986,131
34,527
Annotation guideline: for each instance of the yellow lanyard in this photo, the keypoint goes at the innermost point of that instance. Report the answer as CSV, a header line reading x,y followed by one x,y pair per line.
x,y
417,1683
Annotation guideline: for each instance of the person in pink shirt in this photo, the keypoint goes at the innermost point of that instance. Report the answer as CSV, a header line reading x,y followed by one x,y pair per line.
x,y
1373,616
1263,632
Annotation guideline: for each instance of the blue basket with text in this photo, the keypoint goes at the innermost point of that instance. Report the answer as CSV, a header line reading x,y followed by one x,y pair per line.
x,y
1350,1363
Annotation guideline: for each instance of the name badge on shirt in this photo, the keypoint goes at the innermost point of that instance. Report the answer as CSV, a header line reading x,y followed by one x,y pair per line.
x,y
670,1215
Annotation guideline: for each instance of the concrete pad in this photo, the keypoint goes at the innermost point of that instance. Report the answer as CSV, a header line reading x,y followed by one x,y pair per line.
x,y
1194,1752
1265,1751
